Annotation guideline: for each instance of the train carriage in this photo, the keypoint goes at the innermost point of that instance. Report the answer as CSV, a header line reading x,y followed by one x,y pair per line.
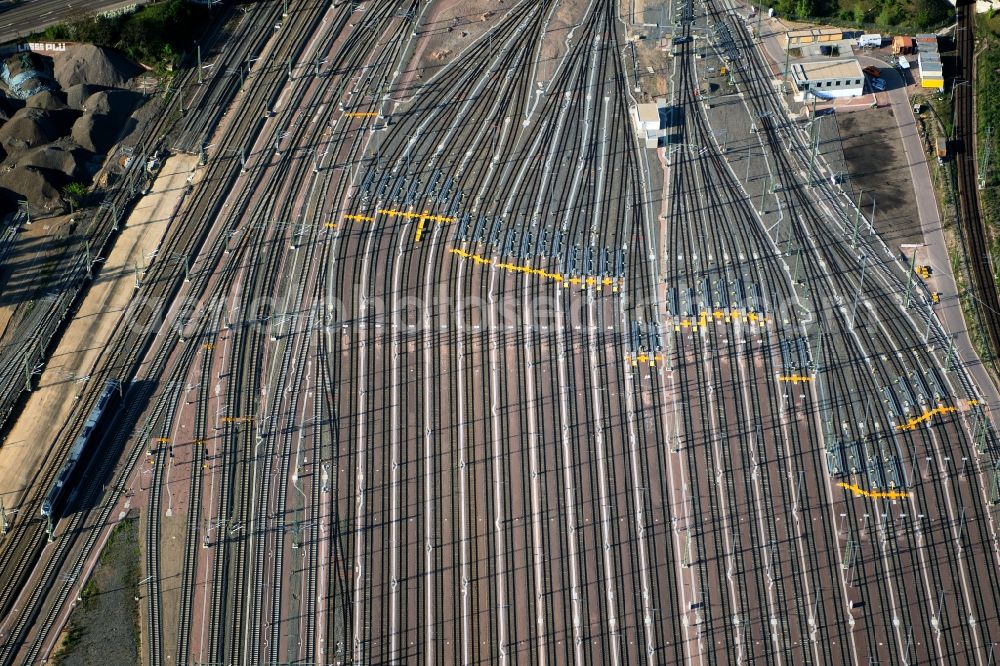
x,y
83,446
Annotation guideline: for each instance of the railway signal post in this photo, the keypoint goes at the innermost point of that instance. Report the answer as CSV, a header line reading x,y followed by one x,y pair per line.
x,y
909,278
23,205
815,147
857,220
987,155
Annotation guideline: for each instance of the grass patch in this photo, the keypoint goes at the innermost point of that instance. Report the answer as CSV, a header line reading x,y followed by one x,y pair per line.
x,y
71,640
104,625
155,34
940,107
89,590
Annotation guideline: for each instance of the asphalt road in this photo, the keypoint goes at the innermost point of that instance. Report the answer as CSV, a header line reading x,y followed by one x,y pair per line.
x,y
23,17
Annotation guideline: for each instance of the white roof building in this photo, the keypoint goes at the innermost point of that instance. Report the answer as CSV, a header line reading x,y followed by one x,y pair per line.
x,y
829,78
648,126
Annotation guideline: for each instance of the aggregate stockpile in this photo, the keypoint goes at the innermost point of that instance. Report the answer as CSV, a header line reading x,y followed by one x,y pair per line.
x,y
59,115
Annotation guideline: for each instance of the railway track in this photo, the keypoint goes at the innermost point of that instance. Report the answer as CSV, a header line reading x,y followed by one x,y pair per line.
x,y
415,267
194,517
105,226
706,237
183,241
974,237
472,410
889,334
250,360
47,323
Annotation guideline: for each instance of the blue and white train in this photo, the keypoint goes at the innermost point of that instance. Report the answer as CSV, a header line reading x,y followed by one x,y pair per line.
x,y
82,446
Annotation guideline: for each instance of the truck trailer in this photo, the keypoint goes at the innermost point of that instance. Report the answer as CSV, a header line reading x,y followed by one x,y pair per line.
x,y
870,41
941,148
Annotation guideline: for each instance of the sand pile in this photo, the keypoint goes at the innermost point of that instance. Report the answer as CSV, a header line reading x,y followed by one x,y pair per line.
x,y
5,115
60,136
118,104
48,100
86,63
95,132
54,157
9,105
78,94
104,114
32,184
29,128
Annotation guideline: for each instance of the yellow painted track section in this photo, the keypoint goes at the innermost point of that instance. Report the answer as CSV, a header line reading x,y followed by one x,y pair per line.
x,y
926,416
528,270
874,494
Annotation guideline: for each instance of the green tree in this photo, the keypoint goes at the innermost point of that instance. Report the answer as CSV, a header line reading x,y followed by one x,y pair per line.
x,y
74,194
154,34
890,15
785,7
931,13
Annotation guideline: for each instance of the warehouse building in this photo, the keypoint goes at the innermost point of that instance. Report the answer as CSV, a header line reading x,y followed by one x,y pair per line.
x,y
829,78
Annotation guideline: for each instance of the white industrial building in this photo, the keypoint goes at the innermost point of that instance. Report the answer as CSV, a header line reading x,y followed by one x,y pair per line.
x,y
827,79
648,124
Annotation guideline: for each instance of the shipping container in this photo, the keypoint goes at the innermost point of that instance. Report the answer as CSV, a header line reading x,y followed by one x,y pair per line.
x,y
903,45
941,148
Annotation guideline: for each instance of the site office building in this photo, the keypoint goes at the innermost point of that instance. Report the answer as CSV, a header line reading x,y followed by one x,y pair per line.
x,y
829,78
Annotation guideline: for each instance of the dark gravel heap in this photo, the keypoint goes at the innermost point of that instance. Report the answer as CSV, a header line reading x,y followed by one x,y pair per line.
x,y
57,136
